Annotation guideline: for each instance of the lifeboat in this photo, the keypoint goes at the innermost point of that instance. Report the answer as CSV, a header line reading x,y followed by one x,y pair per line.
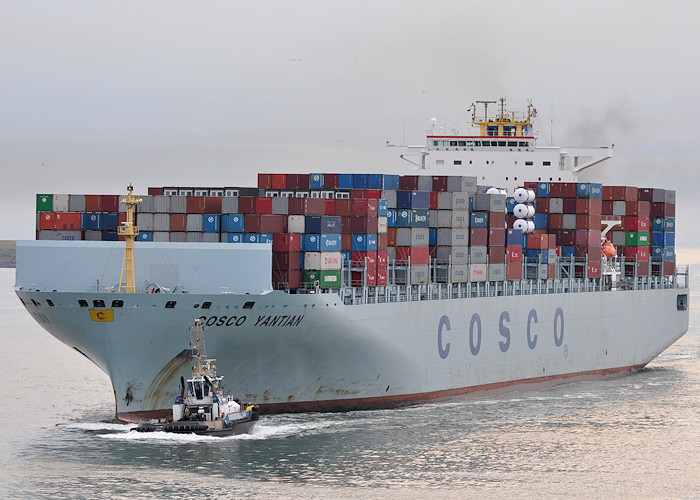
x,y
608,249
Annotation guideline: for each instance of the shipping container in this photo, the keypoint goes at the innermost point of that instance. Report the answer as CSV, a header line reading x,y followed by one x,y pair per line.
x,y
60,203
211,223
194,223
44,203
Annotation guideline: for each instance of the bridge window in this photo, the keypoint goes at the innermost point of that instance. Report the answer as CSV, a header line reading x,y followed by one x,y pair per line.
x,y
522,144
501,143
462,143
439,162
528,163
436,143
547,163
512,144
458,162
453,143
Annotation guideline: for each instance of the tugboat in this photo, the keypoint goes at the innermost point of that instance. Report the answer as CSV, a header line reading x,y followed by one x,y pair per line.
x,y
200,408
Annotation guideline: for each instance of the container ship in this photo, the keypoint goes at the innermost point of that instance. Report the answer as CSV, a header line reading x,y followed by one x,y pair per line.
x,y
492,266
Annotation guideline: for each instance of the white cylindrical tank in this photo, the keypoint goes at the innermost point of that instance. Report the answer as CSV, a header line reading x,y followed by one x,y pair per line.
x,y
520,224
530,226
520,211
521,195
530,211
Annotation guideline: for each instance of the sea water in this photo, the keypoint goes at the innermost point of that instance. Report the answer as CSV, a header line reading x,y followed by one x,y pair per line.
x,y
634,436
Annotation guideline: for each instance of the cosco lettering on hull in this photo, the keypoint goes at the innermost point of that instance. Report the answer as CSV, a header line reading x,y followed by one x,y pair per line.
x,y
531,333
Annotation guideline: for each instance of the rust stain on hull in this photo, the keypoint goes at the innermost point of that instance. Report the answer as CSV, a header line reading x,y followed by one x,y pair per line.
x,y
166,376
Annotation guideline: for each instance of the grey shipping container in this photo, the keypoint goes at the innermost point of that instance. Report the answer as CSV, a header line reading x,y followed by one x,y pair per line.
x,y
444,254
194,223
658,195
425,183
468,184
211,238
67,235
161,204
460,219
76,203
280,206
489,203
144,221
460,255
161,236
670,197
178,205
459,273
619,208
478,254
194,237
444,200
420,236
390,196
556,206
460,237
568,221
93,236
178,236
497,272
161,222
444,218
433,218
60,203
47,235
146,205
229,205
454,183
460,201
444,236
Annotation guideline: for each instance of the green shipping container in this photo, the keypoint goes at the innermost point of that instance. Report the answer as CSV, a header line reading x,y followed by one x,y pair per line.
x,y
330,279
44,203
637,239
310,277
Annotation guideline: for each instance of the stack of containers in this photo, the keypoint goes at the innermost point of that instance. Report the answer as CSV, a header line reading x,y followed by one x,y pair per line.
x,y
662,239
77,217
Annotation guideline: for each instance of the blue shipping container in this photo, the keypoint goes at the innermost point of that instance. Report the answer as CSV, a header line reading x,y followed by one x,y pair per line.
x,y
346,257
315,181
568,251
266,238
583,190
251,238
312,224
344,181
420,218
669,239
375,181
657,239
537,255
145,236
359,181
235,238
670,224
312,242
543,189
109,236
657,224
330,242
432,236
669,253
211,223
331,224
595,190
514,237
403,199
391,182
91,221
382,207
232,223
110,222
364,242
403,218
391,217
478,220
540,221
657,253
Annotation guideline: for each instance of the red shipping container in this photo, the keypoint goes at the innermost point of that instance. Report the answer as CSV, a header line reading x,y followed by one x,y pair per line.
x,y
373,194
639,253
314,206
360,259
531,185
568,205
246,204
656,210
263,204
556,189
286,279
408,183
364,207
121,218
420,256
537,241
381,277
514,271
285,261
551,271
356,194
588,221
110,202
330,181
178,222
269,224
433,203
381,260
371,277
645,194
330,207
439,183
607,207
212,204
588,237
390,236
497,220
637,223
264,181
343,207
47,221
346,224
555,221
593,253
93,203
594,269
497,254
644,209
68,221
514,253
620,193
551,241
293,181
152,191
279,181
364,224
542,205
286,242
346,242
195,204
433,252
497,237
357,278
251,223
382,241
569,190
478,236
589,206
669,268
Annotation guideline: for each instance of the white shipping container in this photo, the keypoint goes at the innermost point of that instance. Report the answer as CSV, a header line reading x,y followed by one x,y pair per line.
x,y
194,223
459,255
296,224
144,221
161,222
330,261
459,274
60,203
381,224
444,201
312,260
478,272
478,254
460,237
460,201
460,219
497,272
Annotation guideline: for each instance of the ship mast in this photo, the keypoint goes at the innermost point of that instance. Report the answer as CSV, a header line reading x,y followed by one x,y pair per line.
x,y
127,280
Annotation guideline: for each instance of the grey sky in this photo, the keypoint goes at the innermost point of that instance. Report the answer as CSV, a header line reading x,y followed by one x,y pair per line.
x,y
94,95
